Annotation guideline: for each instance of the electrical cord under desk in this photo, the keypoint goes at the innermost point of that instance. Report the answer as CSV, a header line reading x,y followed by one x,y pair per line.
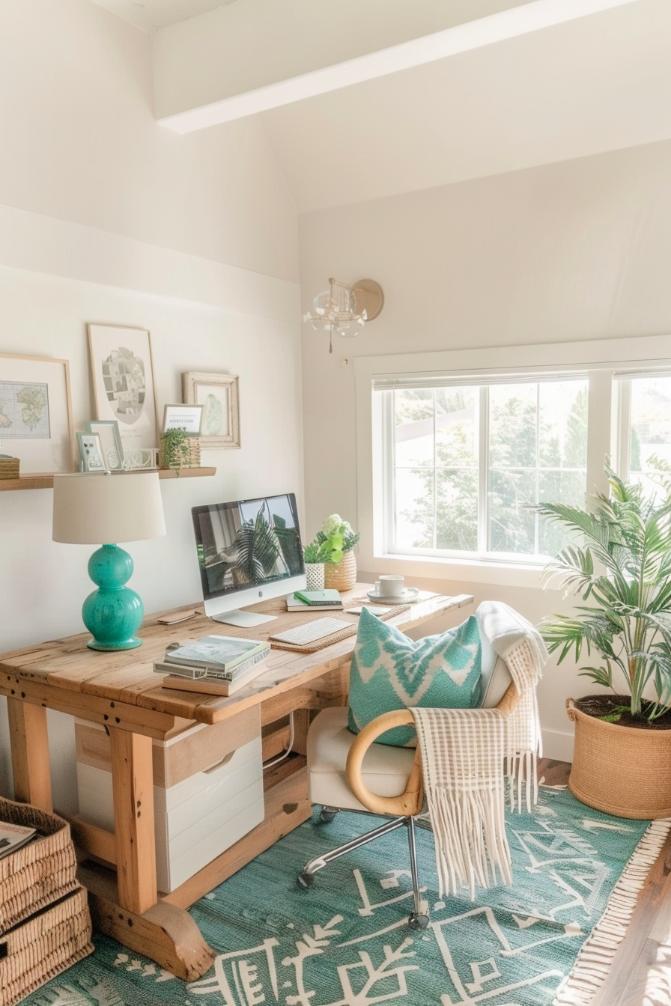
x,y
289,749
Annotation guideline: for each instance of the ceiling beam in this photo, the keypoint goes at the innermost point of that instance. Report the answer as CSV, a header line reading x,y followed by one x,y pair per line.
x,y
190,64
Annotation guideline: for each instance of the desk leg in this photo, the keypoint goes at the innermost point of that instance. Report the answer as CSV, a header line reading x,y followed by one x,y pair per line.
x,y
136,916
30,753
133,789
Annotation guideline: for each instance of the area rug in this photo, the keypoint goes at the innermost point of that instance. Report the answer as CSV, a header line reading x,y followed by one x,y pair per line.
x,y
547,939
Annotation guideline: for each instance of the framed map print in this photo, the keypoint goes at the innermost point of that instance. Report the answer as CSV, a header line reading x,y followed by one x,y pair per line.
x,y
218,394
123,382
36,412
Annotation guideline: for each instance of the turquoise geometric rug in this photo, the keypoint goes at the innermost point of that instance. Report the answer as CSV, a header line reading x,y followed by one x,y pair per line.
x,y
345,941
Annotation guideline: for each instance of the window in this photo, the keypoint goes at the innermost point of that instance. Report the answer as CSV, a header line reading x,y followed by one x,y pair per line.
x,y
644,426
465,463
455,446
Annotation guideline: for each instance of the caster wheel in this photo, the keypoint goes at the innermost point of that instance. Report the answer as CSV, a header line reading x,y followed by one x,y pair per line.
x,y
418,921
326,815
305,880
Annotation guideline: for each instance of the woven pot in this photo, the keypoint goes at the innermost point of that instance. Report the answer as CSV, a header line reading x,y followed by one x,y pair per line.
x,y
314,575
341,575
625,771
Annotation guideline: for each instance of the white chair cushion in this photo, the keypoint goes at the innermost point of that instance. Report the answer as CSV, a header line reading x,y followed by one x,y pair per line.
x,y
385,769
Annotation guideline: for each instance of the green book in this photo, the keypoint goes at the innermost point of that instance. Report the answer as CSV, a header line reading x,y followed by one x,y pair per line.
x,y
319,597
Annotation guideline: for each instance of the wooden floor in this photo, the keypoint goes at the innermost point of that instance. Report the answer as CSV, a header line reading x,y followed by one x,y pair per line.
x,y
641,974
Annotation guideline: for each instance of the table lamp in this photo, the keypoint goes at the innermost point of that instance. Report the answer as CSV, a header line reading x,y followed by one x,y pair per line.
x,y
92,508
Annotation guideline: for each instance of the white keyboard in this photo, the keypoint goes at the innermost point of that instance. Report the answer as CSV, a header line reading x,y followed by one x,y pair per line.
x,y
301,635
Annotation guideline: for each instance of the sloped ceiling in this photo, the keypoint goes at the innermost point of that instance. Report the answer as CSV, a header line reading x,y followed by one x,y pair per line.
x,y
152,14
599,83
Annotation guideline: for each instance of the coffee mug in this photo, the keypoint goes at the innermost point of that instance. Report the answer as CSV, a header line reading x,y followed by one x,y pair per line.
x,y
390,585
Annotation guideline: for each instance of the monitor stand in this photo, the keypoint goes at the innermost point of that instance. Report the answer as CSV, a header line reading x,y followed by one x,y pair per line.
x,y
243,619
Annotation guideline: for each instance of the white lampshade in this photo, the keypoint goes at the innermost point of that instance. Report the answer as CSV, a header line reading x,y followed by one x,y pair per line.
x,y
97,509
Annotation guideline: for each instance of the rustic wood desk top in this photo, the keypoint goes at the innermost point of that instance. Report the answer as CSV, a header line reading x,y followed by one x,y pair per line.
x,y
121,689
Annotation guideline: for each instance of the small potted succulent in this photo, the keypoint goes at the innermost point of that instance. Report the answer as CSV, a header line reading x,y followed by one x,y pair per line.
x,y
313,556
336,538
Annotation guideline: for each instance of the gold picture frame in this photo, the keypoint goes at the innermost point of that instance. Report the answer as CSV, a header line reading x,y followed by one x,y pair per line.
x,y
219,394
42,437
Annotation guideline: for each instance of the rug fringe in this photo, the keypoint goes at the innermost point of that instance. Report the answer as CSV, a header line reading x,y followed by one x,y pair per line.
x,y
597,954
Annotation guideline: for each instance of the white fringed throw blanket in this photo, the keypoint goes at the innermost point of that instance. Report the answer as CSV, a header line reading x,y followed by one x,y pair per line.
x,y
467,755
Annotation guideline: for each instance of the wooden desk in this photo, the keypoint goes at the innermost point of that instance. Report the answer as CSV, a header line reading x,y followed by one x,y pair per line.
x,y
120,691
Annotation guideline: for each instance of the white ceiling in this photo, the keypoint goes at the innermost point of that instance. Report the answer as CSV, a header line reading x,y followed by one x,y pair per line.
x,y
591,85
152,14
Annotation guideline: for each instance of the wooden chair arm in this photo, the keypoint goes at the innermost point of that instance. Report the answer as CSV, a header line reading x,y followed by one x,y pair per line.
x,y
410,801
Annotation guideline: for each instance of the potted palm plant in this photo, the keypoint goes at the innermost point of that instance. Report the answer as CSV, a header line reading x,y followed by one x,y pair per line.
x,y
618,562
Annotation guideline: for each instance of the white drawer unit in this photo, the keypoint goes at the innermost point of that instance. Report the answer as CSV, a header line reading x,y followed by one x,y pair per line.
x,y
208,790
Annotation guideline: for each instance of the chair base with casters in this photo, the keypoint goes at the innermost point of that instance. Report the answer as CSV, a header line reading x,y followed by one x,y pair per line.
x,y
388,785
418,919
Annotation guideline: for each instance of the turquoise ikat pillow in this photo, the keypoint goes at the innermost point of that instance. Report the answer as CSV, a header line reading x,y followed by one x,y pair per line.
x,y
391,671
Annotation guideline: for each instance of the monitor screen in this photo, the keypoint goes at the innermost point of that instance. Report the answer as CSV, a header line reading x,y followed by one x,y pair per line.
x,y
247,543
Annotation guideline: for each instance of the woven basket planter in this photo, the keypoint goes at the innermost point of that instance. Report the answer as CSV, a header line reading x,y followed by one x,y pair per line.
x,y
625,771
42,871
43,947
341,575
189,456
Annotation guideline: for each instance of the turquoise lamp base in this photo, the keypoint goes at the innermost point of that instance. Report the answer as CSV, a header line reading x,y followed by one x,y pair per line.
x,y
113,613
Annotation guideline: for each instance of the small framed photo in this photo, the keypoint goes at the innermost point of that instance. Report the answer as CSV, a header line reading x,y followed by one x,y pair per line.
x,y
110,442
219,395
90,453
183,417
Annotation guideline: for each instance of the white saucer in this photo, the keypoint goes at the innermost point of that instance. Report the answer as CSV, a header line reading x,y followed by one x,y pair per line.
x,y
409,595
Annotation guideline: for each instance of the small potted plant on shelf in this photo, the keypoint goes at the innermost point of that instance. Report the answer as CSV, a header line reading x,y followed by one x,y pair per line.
x,y
336,538
177,450
618,562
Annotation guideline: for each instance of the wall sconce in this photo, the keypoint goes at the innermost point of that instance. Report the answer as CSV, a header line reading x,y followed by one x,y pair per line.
x,y
343,310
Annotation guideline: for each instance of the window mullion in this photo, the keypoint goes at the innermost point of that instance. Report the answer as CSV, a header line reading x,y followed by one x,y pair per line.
x,y
598,430
435,480
537,473
483,466
623,420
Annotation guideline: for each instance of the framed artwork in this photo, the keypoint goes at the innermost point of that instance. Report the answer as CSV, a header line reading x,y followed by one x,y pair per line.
x,y
123,382
183,417
218,394
110,442
90,453
36,412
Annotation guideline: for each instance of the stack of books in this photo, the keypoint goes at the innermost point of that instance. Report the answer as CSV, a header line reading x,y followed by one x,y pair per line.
x,y
9,467
315,600
214,665
13,837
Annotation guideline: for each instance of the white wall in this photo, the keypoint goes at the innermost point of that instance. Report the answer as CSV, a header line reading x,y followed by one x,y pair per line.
x,y
570,251
79,142
103,217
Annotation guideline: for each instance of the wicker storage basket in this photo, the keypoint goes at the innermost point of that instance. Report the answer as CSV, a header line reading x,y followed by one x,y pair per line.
x,y
42,871
625,771
341,575
38,950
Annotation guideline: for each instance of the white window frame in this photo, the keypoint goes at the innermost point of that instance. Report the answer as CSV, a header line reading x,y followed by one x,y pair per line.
x,y
600,360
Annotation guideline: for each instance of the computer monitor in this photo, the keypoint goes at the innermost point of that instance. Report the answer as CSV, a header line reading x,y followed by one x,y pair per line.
x,y
248,550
